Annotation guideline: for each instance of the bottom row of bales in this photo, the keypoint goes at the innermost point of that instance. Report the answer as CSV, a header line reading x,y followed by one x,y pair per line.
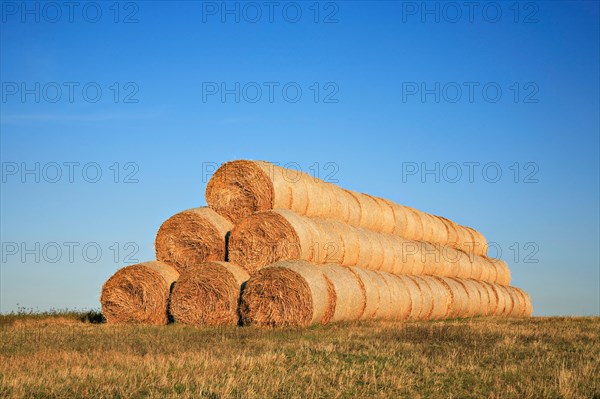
x,y
297,293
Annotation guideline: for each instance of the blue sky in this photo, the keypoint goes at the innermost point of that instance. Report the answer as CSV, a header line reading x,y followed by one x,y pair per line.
x,y
373,92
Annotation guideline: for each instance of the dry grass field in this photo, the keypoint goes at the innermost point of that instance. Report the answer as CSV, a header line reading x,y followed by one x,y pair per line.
x,y
69,355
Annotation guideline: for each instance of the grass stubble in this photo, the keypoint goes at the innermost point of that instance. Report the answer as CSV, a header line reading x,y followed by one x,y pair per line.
x,y
71,355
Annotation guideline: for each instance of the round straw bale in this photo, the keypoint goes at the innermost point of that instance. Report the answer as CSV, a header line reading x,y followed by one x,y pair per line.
x,y
501,298
442,301
492,271
514,310
499,271
399,267
451,261
401,302
388,220
412,257
388,245
138,293
351,244
323,206
339,209
191,237
426,296
335,246
431,256
267,237
451,233
364,219
369,282
287,293
207,294
452,296
484,268
493,298
483,245
353,207
462,237
370,211
446,264
299,198
386,306
365,247
484,294
439,297
468,308
479,242
327,241
504,302
383,218
331,196
477,265
417,224
465,240
474,297
440,234
332,299
469,245
311,236
506,277
402,220
518,307
464,265
240,188
509,303
458,295
377,251
350,296
441,230
416,298
428,226
502,270
384,310
526,302
458,235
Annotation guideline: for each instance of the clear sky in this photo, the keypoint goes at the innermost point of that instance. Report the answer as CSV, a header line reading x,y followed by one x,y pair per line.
x,y
113,114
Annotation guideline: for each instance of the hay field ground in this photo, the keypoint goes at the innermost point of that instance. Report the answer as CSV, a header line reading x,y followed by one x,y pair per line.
x,y
69,355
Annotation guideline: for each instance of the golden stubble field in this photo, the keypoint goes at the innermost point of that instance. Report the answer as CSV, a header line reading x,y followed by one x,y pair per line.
x,y
68,355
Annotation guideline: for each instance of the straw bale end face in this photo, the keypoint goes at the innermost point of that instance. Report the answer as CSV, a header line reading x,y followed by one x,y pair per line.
x,y
138,294
240,188
208,294
262,239
287,293
192,237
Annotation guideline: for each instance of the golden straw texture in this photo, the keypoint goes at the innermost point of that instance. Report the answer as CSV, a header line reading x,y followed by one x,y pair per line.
x,y
191,237
296,293
138,294
267,237
239,188
207,294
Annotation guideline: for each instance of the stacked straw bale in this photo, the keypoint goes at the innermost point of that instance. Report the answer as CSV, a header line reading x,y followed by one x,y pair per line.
x,y
208,294
239,188
139,293
191,237
277,247
267,237
299,293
